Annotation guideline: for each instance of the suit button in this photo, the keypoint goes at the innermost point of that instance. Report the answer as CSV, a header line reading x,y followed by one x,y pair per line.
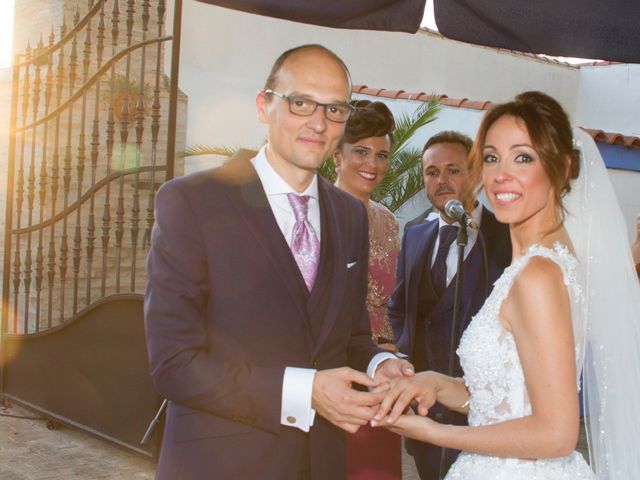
x,y
314,364
291,419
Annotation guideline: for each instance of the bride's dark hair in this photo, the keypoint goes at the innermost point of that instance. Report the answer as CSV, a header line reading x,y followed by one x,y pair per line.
x,y
550,132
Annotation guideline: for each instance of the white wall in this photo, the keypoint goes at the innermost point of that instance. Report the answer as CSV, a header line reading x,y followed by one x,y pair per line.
x,y
626,186
35,18
226,56
609,98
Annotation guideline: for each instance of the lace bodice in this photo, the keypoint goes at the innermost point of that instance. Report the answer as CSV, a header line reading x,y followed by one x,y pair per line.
x,y
495,379
488,354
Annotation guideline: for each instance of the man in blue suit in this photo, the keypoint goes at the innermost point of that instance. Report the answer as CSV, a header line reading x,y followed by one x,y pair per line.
x,y
255,303
421,307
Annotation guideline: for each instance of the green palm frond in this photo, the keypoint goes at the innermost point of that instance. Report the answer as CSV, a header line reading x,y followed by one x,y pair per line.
x,y
402,182
404,177
408,125
328,169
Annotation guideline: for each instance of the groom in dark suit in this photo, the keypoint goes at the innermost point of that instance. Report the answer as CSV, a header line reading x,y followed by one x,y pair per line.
x,y
255,303
421,307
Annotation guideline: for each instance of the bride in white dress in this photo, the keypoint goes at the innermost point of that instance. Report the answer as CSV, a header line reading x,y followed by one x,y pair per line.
x,y
569,299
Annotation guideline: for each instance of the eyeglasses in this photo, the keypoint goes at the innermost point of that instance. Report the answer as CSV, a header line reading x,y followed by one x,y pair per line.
x,y
304,107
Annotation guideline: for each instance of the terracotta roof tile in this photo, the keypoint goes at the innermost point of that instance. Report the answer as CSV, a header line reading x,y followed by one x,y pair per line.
x,y
411,96
391,93
454,102
363,89
425,97
611,138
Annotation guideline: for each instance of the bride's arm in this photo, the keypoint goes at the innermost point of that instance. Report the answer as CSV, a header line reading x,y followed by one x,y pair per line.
x,y
538,313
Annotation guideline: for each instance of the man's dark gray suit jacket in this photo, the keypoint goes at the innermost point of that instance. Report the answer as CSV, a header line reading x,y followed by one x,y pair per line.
x,y
226,310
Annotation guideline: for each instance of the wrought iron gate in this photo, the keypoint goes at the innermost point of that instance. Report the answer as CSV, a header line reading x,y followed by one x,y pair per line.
x,y
93,122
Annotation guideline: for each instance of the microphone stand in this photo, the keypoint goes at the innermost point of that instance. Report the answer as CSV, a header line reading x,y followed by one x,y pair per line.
x,y
461,240
154,423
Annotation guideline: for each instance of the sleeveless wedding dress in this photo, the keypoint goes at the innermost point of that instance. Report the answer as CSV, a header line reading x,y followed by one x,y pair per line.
x,y
493,374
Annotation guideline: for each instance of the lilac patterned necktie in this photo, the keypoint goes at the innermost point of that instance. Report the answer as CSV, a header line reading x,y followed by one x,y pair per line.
x,y
304,241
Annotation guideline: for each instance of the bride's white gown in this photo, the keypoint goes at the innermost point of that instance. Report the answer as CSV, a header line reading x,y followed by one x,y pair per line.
x,y
493,374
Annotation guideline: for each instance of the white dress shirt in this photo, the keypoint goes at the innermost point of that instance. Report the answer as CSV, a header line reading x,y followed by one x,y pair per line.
x,y
277,189
297,384
452,256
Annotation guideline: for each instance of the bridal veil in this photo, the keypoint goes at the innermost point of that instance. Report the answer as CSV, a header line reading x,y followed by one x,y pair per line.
x,y
610,352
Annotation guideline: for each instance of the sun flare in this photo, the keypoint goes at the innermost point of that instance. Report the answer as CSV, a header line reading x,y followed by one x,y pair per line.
x,y
6,32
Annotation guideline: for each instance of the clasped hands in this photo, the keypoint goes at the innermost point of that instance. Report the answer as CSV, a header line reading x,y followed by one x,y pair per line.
x,y
392,390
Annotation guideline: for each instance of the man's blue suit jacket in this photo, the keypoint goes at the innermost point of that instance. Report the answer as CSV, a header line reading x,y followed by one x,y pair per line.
x,y
413,268
226,310
417,246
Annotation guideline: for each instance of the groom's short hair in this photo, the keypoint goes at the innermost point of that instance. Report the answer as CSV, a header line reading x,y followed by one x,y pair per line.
x,y
277,65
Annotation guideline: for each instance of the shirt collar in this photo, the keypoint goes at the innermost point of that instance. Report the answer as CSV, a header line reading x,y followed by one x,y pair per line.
x,y
273,183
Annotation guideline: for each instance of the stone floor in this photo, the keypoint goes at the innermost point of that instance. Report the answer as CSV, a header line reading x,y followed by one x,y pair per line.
x,y
31,451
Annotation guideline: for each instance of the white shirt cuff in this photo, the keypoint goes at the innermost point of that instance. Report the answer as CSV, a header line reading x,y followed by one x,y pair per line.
x,y
377,360
297,388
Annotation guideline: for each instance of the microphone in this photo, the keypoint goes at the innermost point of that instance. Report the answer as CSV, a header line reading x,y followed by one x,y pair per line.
x,y
455,210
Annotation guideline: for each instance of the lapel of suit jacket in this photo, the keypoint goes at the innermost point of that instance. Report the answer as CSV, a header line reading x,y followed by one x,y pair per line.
x,y
252,205
331,234
426,235
473,280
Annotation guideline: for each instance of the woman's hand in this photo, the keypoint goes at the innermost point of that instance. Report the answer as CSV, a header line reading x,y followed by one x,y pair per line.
x,y
420,390
414,426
